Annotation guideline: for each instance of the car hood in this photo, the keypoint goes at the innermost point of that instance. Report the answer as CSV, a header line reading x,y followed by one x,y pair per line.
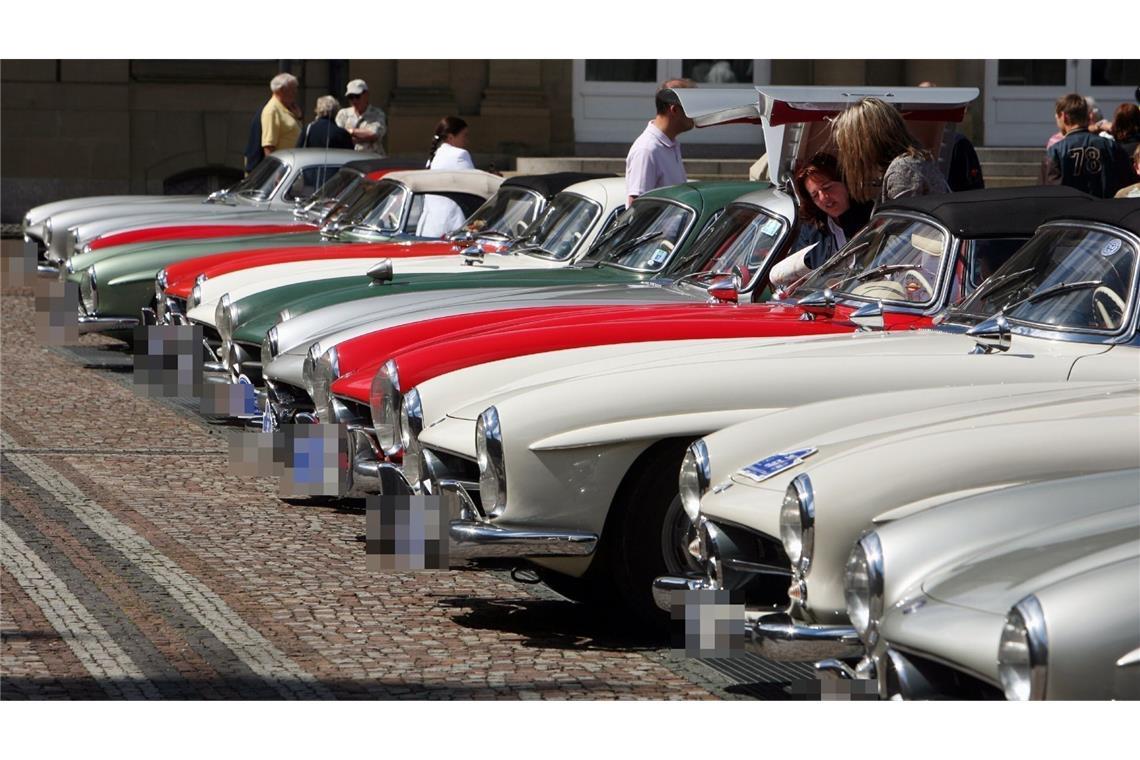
x,y
864,424
995,579
745,374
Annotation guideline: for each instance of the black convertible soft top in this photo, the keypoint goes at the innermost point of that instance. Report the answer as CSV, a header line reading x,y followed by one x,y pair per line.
x,y
1120,212
998,211
551,184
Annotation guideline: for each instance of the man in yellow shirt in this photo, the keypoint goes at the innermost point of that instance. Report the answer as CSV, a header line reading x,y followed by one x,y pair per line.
x,y
281,116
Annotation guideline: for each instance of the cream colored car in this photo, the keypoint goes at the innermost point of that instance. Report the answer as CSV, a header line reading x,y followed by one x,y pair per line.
x,y
832,470
1031,592
572,467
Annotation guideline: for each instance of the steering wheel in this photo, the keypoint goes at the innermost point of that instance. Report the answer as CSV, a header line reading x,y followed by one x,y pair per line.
x,y
1100,296
920,278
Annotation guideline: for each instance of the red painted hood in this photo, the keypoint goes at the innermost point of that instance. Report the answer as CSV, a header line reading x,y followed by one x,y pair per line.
x,y
196,232
180,277
424,350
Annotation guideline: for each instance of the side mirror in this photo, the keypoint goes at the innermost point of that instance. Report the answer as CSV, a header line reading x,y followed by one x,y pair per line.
x,y
725,290
381,271
819,303
991,335
869,316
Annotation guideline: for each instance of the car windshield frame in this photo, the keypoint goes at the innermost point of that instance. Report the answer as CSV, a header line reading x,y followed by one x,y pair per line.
x,y
360,221
524,245
960,317
252,186
948,255
728,213
663,204
494,203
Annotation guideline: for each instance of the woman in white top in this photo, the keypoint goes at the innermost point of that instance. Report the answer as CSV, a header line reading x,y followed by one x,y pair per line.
x,y
448,153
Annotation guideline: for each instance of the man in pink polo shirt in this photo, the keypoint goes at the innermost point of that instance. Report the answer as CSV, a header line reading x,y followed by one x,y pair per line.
x,y
654,159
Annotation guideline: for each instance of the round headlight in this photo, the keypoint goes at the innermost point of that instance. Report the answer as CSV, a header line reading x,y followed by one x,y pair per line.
x,y
47,233
89,291
224,316
309,366
326,370
269,347
384,401
411,424
492,468
411,418
1023,651
797,522
72,240
863,587
196,295
694,478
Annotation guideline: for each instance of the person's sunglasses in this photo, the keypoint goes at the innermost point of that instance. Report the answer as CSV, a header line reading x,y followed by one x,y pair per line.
x,y
353,97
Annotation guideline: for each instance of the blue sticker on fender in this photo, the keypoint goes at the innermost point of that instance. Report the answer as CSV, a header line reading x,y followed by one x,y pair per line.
x,y
777,463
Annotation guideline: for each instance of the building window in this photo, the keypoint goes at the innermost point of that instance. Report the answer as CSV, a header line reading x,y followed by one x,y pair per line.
x,y
717,71
1106,73
1048,73
621,71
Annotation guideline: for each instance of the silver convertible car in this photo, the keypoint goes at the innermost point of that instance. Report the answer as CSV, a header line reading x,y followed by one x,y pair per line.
x,y
1031,592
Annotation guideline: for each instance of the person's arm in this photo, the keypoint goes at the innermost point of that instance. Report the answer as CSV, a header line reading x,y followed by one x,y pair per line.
x,y
370,131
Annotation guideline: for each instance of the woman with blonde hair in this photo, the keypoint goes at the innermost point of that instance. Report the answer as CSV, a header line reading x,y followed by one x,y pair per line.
x,y
880,159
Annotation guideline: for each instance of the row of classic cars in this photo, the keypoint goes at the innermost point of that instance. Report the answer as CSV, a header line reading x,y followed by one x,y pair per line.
x,y
620,401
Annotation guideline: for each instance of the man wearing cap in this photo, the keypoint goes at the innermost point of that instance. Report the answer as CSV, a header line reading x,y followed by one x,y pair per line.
x,y
365,123
654,159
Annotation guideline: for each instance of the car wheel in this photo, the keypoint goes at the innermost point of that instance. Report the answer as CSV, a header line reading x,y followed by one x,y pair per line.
x,y
647,531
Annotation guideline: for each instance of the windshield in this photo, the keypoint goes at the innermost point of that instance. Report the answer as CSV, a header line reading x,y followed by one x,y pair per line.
x,y
260,183
740,240
556,234
1065,276
337,189
891,259
380,207
643,238
506,214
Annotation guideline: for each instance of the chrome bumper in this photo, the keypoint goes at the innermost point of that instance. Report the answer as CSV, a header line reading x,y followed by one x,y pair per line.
x,y
776,636
473,538
665,586
365,474
89,324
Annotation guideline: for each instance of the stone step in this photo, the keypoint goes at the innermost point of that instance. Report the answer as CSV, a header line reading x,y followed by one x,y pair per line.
x,y
1009,169
697,167
1011,155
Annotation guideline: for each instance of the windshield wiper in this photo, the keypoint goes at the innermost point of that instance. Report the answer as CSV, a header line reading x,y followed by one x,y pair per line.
x,y
1058,289
626,247
367,227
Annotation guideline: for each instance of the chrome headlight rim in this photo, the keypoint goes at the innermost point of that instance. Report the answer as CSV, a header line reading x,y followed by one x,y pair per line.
x,y
797,523
47,232
385,402
325,372
863,587
411,425
694,478
492,467
224,317
269,346
1023,652
195,295
160,281
89,291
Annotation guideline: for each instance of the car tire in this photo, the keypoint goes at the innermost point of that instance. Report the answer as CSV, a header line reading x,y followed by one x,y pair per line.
x,y
642,538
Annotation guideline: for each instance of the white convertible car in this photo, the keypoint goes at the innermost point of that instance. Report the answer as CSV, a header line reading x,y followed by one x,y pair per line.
x,y
572,468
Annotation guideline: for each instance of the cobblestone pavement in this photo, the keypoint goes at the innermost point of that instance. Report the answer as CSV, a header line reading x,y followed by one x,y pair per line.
x,y
134,567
